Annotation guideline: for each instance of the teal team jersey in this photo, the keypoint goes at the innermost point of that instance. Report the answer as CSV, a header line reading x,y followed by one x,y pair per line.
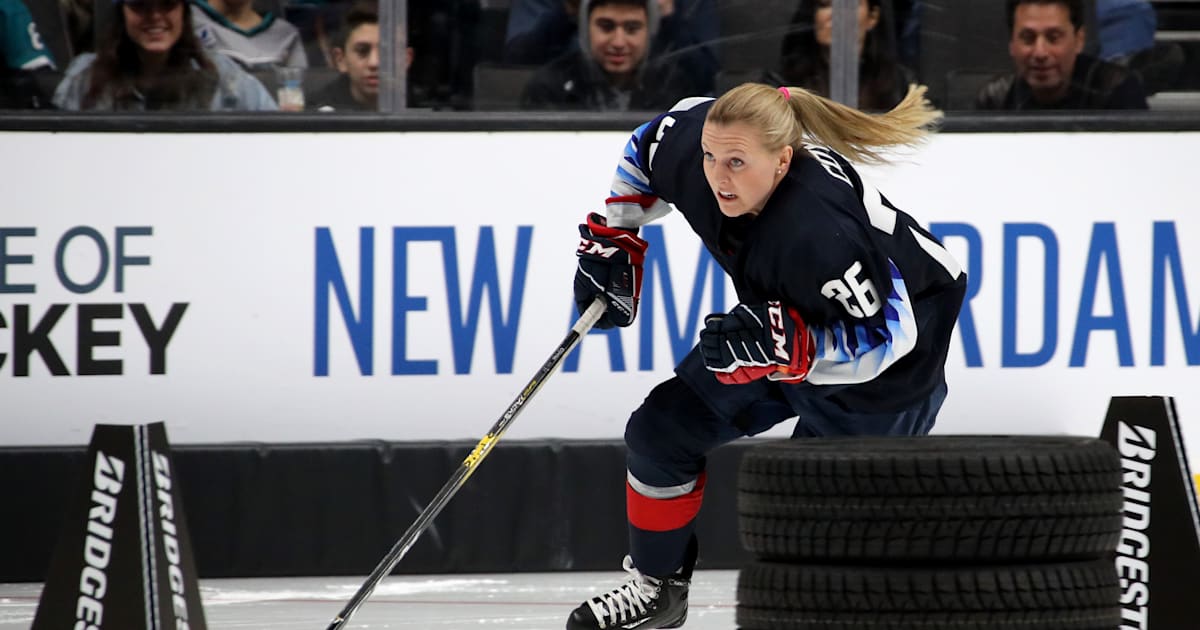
x,y
23,48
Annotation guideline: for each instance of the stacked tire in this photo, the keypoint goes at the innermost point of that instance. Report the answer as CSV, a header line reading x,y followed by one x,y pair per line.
x,y
930,533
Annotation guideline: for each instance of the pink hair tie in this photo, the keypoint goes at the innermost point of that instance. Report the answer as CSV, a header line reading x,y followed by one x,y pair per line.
x,y
786,94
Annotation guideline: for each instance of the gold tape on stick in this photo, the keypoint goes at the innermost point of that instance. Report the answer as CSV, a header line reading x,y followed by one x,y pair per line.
x,y
482,448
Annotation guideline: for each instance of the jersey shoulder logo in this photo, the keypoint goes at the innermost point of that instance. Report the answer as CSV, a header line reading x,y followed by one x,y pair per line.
x,y
663,125
824,157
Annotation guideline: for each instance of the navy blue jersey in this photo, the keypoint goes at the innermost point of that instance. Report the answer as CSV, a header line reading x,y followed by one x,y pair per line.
x,y
880,294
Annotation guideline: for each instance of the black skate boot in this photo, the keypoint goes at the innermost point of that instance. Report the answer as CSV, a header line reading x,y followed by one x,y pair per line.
x,y
643,602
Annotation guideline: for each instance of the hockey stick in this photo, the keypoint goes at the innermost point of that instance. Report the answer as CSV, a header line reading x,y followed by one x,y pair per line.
x,y
481,450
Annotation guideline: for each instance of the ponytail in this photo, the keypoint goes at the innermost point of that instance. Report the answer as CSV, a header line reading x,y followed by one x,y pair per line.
x,y
789,116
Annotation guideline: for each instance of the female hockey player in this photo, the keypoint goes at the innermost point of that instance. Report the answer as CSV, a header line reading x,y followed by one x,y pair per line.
x,y
845,315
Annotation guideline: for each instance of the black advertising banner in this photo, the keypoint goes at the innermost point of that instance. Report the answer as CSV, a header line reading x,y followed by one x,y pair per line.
x,y
124,556
1158,558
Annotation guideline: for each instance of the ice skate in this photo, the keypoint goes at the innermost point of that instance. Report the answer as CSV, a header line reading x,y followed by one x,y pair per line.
x,y
643,601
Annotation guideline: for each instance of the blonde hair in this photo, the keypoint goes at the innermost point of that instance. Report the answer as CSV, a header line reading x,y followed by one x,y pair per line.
x,y
787,115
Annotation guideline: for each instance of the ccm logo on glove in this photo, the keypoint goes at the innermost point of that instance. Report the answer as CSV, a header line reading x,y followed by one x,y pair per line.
x,y
592,248
775,316
757,341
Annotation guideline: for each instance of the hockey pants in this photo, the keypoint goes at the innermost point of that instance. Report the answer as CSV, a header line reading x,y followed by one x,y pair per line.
x,y
669,435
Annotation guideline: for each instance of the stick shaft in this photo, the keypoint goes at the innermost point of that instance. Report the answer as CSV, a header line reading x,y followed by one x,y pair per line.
x,y
481,450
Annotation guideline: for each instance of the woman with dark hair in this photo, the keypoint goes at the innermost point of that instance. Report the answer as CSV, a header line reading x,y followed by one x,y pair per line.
x,y
882,81
152,60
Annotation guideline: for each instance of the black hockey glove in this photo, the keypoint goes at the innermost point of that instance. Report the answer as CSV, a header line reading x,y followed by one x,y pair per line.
x,y
755,341
610,264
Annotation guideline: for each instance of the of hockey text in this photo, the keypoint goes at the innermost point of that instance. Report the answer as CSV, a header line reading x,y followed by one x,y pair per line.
x,y
83,261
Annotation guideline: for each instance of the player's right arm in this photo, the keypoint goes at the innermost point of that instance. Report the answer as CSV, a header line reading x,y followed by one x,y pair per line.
x,y
610,253
632,201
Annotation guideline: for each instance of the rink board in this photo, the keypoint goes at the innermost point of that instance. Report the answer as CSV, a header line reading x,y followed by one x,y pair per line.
x,y
408,291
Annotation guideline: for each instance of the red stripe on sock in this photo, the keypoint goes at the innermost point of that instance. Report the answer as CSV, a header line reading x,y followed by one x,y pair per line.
x,y
662,515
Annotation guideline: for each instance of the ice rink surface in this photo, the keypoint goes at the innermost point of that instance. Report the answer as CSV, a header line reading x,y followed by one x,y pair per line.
x,y
529,601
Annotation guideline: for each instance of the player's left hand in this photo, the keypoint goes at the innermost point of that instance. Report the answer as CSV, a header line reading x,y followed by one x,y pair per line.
x,y
756,341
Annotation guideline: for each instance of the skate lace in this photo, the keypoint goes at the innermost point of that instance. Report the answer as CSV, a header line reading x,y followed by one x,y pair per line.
x,y
628,601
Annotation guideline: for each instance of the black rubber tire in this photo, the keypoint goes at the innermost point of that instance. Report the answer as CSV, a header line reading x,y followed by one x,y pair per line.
x,y
1067,596
949,499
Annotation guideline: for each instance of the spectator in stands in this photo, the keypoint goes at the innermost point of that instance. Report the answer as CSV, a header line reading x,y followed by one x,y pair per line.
x,y
542,30
1126,31
612,68
1124,28
1046,39
258,42
355,53
25,57
152,60
882,80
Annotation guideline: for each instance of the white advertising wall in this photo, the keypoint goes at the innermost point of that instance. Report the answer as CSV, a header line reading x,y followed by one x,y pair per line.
x,y
405,286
